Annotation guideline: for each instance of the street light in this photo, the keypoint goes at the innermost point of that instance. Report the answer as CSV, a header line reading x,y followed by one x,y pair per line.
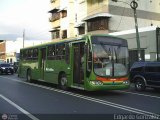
x,y
134,6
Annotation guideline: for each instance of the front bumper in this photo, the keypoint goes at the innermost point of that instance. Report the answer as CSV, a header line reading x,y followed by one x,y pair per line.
x,y
109,86
7,71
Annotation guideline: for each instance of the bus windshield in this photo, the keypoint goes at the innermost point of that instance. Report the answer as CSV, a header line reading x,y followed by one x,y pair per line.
x,y
110,59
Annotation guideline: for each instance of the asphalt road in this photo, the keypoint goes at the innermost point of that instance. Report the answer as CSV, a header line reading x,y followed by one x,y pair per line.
x,y
20,100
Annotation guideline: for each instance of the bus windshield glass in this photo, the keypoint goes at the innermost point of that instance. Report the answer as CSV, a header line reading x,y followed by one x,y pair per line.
x,y
110,56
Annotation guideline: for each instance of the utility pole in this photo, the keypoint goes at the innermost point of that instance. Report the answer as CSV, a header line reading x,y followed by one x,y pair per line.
x,y
134,6
23,37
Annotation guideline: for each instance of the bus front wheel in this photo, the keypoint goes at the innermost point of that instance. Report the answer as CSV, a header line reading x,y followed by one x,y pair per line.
x,y
63,82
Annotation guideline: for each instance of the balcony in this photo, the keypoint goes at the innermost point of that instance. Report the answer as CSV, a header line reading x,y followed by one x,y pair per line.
x,y
55,3
54,17
56,24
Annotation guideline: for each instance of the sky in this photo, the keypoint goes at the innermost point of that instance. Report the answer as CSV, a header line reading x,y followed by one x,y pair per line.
x,y
30,16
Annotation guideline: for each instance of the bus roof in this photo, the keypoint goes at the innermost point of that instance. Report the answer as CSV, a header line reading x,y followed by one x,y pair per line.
x,y
69,40
54,42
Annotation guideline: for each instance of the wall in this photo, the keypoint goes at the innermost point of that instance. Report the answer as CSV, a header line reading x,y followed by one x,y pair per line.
x,y
147,41
148,14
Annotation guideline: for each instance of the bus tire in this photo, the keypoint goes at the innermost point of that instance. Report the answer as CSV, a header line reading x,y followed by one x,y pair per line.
x,y
140,85
63,82
29,76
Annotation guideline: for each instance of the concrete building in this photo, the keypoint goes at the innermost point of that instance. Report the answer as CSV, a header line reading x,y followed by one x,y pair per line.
x,y
62,19
70,18
2,51
149,43
10,49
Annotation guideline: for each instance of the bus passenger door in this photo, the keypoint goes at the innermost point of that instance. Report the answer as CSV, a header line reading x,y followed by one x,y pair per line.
x,y
42,63
78,63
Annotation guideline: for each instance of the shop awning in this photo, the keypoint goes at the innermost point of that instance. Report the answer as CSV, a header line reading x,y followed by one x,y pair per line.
x,y
54,29
98,15
81,24
54,10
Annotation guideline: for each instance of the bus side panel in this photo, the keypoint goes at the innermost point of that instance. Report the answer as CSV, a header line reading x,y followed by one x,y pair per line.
x,y
35,72
50,74
54,68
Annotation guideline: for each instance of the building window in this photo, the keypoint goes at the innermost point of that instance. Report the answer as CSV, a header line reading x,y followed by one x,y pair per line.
x,y
133,56
7,60
100,1
11,60
52,1
64,34
97,24
93,2
81,30
55,34
64,13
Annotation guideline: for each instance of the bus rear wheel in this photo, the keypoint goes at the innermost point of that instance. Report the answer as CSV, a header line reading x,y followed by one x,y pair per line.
x,y
63,82
29,76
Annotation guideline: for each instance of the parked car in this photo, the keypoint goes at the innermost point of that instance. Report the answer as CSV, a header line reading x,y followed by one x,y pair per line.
x,y
6,68
15,66
145,74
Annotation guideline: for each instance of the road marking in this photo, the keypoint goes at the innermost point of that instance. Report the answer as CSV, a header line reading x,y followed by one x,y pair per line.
x,y
107,103
139,94
19,108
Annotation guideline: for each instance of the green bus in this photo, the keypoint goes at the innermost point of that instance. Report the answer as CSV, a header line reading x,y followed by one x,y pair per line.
x,y
90,62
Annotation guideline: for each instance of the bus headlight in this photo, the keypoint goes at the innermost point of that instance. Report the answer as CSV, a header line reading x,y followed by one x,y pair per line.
x,y
126,82
96,82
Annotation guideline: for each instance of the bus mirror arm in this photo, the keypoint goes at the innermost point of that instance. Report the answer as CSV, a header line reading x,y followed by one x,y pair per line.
x,y
86,48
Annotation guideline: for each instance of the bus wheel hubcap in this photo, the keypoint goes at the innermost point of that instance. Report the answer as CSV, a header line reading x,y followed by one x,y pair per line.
x,y
63,81
139,85
29,77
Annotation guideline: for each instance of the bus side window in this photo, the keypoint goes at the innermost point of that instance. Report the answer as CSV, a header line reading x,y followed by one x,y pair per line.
x,y
26,54
51,52
60,51
21,54
67,53
31,53
35,53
